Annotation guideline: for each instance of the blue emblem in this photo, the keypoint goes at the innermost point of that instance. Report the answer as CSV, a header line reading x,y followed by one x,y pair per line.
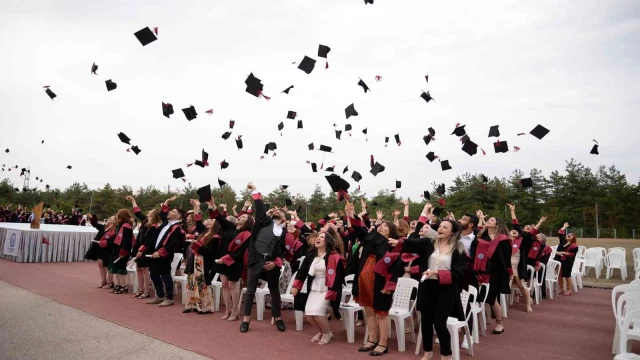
x,y
535,248
480,256
330,272
106,237
288,247
515,246
238,241
387,260
12,241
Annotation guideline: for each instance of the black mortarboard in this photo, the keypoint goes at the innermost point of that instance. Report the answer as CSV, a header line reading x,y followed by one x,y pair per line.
x,y
69,167
398,184
94,68
291,115
284,187
286,91
364,131
226,135
426,195
323,50
594,150
167,109
254,85
386,140
441,189
307,64
397,137
366,2
111,85
346,168
437,211
190,113
337,183
431,156
377,168
338,133
427,139
364,86
7,151
281,126
311,147
146,36
350,111
224,164
204,156
445,165
314,167
50,93
484,178
494,131
432,132
136,149
288,202
348,127
539,131
232,123
177,173
459,131
426,96
270,146
42,142
239,143
470,147
199,163
526,182
356,176
221,183
124,138
204,193
299,124
329,169
325,148
500,147
16,189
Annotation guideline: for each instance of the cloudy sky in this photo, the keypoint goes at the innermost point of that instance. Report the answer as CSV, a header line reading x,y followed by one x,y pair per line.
x,y
571,66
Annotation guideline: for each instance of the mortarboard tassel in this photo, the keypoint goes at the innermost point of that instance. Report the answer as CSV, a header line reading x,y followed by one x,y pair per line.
x,y
47,86
372,162
441,201
516,149
522,134
378,78
155,30
308,162
427,78
45,240
210,111
189,164
128,150
261,157
274,154
184,180
483,152
326,65
484,187
260,94
358,187
393,191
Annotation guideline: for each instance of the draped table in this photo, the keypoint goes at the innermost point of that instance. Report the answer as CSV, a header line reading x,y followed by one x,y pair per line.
x,y
68,243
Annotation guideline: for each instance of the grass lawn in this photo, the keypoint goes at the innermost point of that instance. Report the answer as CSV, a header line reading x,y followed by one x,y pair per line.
x,y
616,278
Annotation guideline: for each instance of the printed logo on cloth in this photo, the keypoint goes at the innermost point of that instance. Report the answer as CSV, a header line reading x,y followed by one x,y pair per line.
x,y
288,247
535,248
106,237
330,271
387,260
480,256
515,246
238,241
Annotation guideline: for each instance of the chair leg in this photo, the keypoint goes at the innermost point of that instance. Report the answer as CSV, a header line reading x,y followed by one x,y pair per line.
x,y
476,337
455,342
400,334
300,320
260,306
469,340
419,341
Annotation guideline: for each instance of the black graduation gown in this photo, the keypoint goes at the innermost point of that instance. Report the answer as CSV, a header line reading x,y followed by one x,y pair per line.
x,y
208,252
500,264
337,270
121,249
229,233
146,245
525,247
566,262
95,250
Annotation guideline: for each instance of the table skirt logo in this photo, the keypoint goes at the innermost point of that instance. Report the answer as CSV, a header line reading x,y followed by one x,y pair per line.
x,y
12,241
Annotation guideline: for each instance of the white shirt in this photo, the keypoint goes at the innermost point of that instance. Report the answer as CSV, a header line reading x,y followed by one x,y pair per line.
x,y
164,230
277,228
466,241
438,261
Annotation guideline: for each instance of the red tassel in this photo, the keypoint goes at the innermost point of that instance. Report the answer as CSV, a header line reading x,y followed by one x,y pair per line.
x,y
189,164
483,152
393,191
221,196
400,143
349,134
184,180
322,166
45,241
521,134
441,202
155,30
458,124
206,163
498,142
47,86
260,94
358,187
326,66
128,150
378,78
308,162
372,161
427,78
274,154
210,111
261,157
516,149
484,187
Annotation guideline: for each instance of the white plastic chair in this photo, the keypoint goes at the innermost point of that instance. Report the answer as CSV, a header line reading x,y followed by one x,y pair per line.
x,y
617,292
181,279
626,303
347,289
537,286
287,297
636,259
635,282
603,254
533,277
553,272
593,259
402,308
475,312
261,292
478,310
616,260
576,273
349,311
581,251
629,329
504,305
216,288
627,356
132,272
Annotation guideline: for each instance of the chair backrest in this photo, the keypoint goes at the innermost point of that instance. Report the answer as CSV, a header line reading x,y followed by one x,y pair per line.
x,y
581,250
486,292
637,275
630,319
635,282
578,265
636,253
348,280
618,291
402,295
602,250
533,276
290,286
617,248
616,259
553,269
593,258
216,277
541,278
464,298
627,302
473,294
131,265
177,257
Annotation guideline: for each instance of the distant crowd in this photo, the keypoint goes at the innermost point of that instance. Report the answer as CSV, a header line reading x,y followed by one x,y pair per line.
x,y
50,217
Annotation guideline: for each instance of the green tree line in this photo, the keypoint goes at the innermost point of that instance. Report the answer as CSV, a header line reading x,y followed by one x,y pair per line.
x,y
570,195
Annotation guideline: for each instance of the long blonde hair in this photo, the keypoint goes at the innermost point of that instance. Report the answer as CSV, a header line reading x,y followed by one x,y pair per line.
x,y
454,241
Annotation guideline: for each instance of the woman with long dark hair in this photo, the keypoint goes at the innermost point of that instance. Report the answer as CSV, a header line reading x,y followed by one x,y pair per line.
x,y
122,244
443,261
324,270
566,254
101,249
497,234
204,248
147,235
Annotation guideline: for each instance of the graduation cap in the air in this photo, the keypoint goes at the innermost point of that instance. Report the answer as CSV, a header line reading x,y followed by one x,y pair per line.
x,y
291,115
124,138
426,195
239,142
69,167
470,147
177,173
145,36
364,86
500,147
398,184
330,169
484,178
284,187
204,193
210,111
311,147
345,169
526,182
441,189
50,93
7,151
377,168
356,176
111,85
226,135
464,139
190,112
288,202
314,167
539,131
594,149
205,157
364,131
255,86
445,165
323,51
286,91
459,130
325,148
167,109
366,2
437,211
270,146
224,164
232,123
94,68
426,96
136,149
494,131
299,124
221,183
307,64
47,187
431,156
42,142
350,111
281,126
397,137
16,189
338,185
338,134
386,141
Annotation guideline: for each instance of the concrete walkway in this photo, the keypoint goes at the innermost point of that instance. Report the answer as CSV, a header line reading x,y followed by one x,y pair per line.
x,y
35,327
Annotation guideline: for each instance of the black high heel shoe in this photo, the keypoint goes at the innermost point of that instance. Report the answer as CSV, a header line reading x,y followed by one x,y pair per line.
x,y
116,289
376,353
368,348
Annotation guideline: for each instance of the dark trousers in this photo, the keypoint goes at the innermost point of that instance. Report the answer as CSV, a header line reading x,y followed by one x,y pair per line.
x,y
255,272
162,283
431,318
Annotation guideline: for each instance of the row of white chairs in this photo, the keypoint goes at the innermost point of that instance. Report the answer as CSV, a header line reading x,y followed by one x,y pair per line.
x,y
625,300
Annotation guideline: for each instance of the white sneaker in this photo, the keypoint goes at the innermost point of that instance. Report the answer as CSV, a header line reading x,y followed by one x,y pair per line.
x,y
465,344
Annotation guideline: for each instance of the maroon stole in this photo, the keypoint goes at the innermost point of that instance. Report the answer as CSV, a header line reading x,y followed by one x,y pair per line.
x,y
196,245
332,269
515,245
382,268
106,236
484,252
118,240
535,249
162,252
235,245
569,248
292,245
408,257
547,250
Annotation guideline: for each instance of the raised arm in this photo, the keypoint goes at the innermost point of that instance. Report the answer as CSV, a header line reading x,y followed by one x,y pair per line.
x,y
514,218
197,216
136,210
405,202
261,209
164,211
235,213
542,219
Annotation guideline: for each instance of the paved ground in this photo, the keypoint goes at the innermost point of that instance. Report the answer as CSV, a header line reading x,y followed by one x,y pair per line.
x,y
35,327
